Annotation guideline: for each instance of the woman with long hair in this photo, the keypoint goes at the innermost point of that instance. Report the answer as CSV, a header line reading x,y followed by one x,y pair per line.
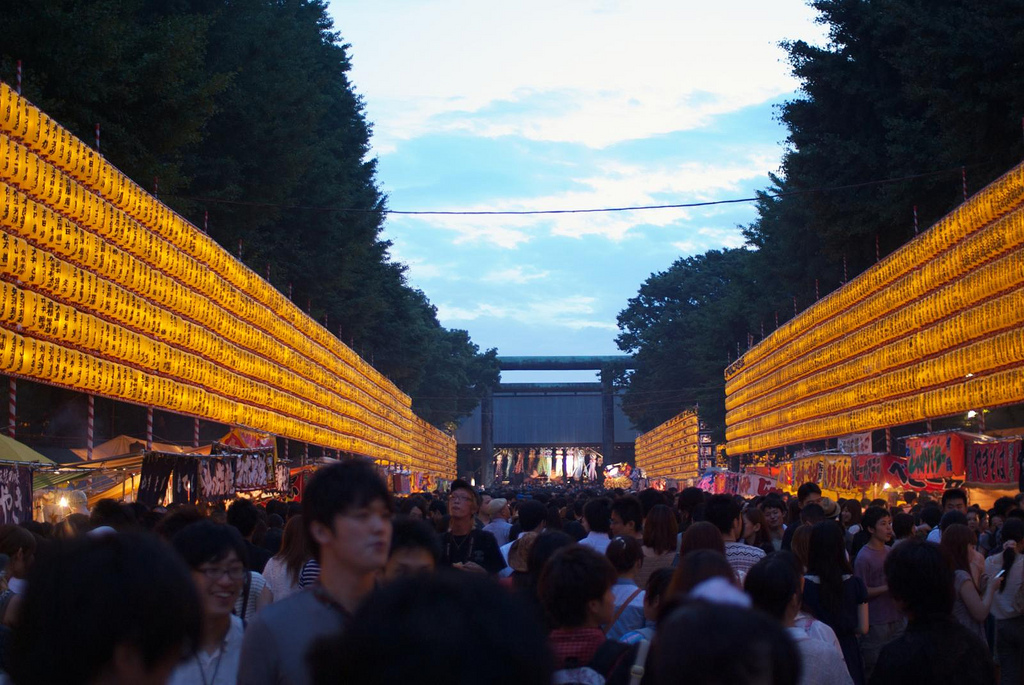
x,y
282,571
973,600
659,548
702,535
1005,609
834,595
755,530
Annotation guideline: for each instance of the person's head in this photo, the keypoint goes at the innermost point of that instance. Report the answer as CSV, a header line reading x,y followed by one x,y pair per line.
x,y
627,517
930,515
957,540
576,588
346,509
689,501
661,529
808,493
1004,505
995,521
655,591
702,535
774,513
626,555
1013,531
716,643
498,508
902,526
724,513
827,551
216,556
812,513
414,507
176,521
954,499
597,515
755,527
920,580
20,546
443,628
122,607
851,515
698,566
463,501
952,517
110,512
975,520
775,585
294,547
545,547
877,521
532,516
650,498
415,548
800,543
243,516
485,500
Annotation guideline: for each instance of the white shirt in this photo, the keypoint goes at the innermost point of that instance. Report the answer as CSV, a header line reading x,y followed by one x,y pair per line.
x,y
935,535
278,578
219,668
597,541
632,617
499,528
823,665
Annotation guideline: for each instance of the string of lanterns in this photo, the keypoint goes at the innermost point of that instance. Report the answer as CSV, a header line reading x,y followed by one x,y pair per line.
x,y
933,330
109,292
671,449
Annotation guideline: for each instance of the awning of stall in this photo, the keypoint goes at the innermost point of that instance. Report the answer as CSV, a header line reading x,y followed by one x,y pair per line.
x,y
12,450
124,444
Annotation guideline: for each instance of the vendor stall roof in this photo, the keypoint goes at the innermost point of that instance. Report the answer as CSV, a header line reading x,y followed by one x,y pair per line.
x,y
12,450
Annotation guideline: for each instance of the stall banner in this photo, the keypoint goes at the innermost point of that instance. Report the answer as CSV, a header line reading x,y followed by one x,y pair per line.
x,y
282,477
808,470
153,480
217,479
837,474
252,472
785,477
707,482
754,485
940,455
15,494
897,473
186,480
993,463
858,443
867,469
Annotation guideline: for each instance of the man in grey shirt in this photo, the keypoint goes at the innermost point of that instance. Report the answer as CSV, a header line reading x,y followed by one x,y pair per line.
x,y
346,510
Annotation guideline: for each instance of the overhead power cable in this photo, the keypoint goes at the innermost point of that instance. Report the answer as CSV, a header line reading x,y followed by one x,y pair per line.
x,y
592,210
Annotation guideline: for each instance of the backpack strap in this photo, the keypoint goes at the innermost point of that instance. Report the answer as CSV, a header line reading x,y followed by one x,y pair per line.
x,y
608,656
625,605
636,673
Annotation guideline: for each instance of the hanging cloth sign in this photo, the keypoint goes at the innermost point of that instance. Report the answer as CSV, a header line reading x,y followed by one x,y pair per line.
x,y
15,494
993,463
155,475
754,485
251,472
282,477
940,455
866,469
216,479
807,470
186,480
837,475
858,443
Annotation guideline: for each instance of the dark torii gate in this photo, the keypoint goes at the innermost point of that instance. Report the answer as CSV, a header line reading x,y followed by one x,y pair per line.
x,y
605,364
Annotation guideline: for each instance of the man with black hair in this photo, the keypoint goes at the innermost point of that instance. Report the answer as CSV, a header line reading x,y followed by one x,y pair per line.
x,y
463,545
885,623
415,549
573,525
532,519
689,503
953,499
575,589
597,516
808,493
775,516
935,648
726,515
121,607
346,511
242,516
627,518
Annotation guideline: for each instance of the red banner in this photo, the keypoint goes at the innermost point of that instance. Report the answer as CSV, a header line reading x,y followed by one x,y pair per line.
x,y
940,455
993,463
867,469
807,470
754,485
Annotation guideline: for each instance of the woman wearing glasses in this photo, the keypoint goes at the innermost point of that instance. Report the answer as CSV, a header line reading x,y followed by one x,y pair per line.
x,y
216,556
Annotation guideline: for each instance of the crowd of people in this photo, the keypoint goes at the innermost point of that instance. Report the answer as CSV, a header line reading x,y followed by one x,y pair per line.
x,y
532,585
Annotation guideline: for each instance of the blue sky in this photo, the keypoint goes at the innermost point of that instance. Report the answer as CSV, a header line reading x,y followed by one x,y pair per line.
x,y
540,105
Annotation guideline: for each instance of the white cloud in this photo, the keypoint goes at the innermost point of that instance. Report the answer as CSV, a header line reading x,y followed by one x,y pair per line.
x,y
517,274
574,312
632,68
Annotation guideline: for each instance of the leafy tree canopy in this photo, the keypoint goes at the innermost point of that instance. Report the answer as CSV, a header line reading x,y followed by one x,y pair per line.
x,y
244,110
